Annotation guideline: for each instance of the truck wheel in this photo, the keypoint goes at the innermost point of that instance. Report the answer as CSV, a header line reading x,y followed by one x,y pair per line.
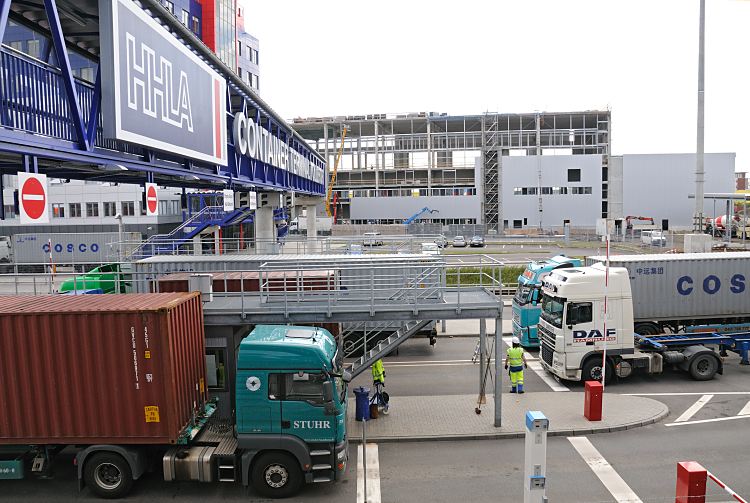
x,y
704,367
277,475
592,370
646,329
108,475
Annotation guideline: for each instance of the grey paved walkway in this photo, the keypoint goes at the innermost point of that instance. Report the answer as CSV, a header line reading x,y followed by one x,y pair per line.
x,y
453,417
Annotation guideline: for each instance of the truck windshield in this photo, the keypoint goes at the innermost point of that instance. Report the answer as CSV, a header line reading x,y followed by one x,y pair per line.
x,y
552,310
523,295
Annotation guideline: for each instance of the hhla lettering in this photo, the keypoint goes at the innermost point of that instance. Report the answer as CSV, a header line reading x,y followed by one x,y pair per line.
x,y
309,425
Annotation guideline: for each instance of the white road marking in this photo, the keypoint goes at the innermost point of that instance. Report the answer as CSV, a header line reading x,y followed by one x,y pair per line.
x,y
693,409
547,377
745,410
689,393
373,475
701,421
612,481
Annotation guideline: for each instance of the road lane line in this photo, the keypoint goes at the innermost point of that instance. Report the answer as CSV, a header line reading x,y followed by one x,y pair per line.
x,y
693,409
373,475
701,421
745,410
612,481
547,377
689,393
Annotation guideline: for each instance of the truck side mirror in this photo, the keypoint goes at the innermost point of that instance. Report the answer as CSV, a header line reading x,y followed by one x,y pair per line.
x,y
328,391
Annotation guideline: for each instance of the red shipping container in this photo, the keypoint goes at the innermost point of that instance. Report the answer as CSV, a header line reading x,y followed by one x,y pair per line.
x,y
89,369
592,402
236,281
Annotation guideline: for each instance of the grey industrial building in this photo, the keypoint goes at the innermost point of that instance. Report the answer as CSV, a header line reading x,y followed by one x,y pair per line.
x,y
521,171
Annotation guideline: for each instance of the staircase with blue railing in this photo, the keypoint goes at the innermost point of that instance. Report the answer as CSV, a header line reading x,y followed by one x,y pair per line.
x,y
209,216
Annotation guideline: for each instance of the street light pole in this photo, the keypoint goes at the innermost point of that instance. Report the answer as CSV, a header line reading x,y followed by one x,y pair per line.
x,y
699,156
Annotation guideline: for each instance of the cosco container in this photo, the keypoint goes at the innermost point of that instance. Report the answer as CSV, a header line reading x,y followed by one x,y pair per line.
x,y
100,369
686,286
61,248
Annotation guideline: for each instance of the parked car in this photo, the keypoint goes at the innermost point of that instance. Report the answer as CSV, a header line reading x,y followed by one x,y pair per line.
x,y
653,238
441,241
372,239
459,242
477,242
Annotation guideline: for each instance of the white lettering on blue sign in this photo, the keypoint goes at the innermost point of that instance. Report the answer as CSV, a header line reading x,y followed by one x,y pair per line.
x,y
155,86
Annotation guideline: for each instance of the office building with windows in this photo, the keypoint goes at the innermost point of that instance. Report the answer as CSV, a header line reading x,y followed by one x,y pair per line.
x,y
248,67
503,171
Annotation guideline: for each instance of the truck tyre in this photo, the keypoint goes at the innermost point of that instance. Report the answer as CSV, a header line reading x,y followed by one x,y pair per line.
x,y
646,329
108,475
276,475
592,370
703,367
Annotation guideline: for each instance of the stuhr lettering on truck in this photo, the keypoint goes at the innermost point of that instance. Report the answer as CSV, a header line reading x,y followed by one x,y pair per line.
x,y
306,425
711,284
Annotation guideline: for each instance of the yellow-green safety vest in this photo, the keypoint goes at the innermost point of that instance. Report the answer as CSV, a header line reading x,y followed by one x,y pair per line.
x,y
378,373
515,357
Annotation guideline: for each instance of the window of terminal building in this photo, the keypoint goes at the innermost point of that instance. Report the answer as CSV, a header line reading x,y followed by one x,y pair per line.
x,y
142,208
196,25
75,210
10,211
58,210
92,209
518,224
127,208
239,48
169,5
239,73
185,18
574,175
110,209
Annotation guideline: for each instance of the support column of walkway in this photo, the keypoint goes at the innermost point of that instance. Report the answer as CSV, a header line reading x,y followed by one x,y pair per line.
x,y
265,231
311,209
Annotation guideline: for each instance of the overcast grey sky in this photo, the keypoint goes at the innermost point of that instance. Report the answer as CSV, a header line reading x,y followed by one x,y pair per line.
x,y
637,57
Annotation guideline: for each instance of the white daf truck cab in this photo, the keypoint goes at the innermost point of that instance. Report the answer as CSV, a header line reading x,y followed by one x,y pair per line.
x,y
573,331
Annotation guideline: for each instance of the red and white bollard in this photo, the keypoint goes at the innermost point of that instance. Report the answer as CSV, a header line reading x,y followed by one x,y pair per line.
x,y
691,484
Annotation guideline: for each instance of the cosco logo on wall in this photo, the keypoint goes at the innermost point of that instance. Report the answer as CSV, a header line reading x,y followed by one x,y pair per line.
x,y
711,284
70,247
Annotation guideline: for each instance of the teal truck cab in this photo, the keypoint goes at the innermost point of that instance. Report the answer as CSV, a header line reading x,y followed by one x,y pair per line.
x,y
528,296
290,408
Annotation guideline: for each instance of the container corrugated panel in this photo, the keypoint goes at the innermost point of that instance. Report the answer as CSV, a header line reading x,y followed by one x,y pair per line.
x,y
77,248
150,269
116,369
688,285
275,281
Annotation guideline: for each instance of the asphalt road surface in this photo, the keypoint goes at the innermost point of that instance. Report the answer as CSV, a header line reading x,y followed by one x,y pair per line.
x,y
708,423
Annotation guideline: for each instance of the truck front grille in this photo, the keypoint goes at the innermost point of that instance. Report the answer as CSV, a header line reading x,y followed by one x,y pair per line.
x,y
546,336
516,317
546,353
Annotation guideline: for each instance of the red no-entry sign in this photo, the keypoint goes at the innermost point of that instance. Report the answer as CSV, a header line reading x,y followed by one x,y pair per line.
x,y
32,198
152,201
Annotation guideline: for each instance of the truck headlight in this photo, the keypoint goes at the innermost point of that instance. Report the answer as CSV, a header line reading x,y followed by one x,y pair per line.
x,y
341,455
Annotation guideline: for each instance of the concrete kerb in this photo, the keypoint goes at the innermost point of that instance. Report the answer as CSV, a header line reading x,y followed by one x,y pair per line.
x,y
657,412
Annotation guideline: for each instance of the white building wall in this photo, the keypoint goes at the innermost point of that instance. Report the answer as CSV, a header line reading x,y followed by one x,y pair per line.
x,y
580,209
399,208
658,185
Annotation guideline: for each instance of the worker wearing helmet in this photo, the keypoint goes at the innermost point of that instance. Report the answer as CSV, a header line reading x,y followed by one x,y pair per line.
x,y
515,362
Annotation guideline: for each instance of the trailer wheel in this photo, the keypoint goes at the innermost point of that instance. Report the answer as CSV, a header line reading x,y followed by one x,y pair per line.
x,y
108,475
276,475
647,329
704,367
592,370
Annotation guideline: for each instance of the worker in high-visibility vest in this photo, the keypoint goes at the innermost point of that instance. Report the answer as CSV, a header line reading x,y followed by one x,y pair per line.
x,y
515,362
378,372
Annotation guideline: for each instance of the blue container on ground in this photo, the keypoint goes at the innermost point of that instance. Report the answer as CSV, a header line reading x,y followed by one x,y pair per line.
x,y
362,411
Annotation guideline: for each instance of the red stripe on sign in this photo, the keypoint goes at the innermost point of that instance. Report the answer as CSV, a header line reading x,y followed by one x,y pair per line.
x,y
217,119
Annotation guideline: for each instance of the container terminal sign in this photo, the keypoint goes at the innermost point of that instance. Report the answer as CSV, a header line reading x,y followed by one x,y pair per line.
x,y
161,94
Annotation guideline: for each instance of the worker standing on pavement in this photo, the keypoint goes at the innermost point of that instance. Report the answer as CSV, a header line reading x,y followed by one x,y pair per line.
x,y
515,362
378,373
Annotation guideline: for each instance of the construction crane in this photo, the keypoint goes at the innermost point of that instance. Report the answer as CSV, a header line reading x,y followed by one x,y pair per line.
x,y
329,212
418,214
